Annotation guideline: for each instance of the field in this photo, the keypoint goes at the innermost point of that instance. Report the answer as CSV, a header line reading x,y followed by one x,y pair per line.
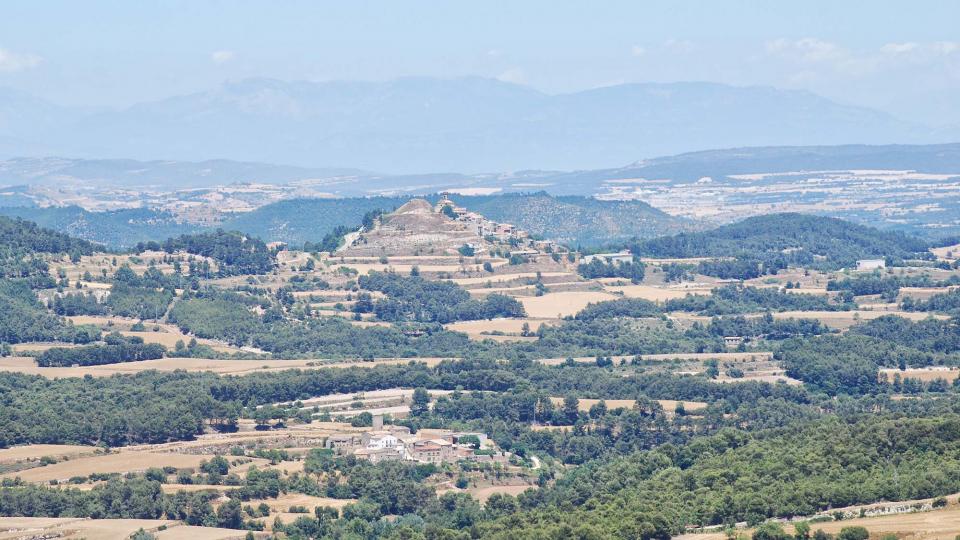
x,y
941,524
120,462
109,529
669,405
922,374
561,304
656,294
223,367
842,320
482,329
922,293
37,451
105,529
947,253
503,278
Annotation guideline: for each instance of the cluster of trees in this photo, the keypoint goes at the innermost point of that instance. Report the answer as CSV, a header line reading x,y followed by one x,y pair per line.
x,y
622,307
945,302
847,364
22,241
737,299
142,497
23,318
414,298
116,348
334,239
887,286
766,327
234,252
596,268
218,315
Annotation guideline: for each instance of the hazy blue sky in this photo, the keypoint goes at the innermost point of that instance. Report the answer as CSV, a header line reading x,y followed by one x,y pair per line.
x,y
900,56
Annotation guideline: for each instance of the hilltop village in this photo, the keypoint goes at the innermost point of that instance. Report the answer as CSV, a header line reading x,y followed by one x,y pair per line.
x,y
419,228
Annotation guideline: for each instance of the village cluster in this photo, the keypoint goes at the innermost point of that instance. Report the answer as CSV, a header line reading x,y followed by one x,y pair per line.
x,y
393,443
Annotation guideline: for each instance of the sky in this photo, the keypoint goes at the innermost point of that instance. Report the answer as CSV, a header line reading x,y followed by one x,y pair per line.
x,y
902,57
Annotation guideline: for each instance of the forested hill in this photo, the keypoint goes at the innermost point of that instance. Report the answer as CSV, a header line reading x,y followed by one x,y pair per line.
x,y
234,252
299,220
21,241
576,220
780,239
22,236
572,220
117,228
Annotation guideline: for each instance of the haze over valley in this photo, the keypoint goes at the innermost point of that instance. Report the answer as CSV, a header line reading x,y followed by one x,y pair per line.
x,y
539,270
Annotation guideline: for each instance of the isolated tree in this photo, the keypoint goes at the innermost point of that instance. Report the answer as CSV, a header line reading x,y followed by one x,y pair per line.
x,y
421,402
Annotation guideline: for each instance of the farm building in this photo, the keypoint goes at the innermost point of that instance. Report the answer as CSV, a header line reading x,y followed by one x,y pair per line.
x,y
613,258
870,264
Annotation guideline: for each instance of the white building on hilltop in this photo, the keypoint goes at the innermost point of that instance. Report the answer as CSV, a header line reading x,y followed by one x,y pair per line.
x,y
870,264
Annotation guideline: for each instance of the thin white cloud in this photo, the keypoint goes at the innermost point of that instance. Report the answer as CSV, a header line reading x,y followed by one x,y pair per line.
x,y
221,57
946,47
811,54
809,49
637,50
679,45
12,61
513,75
899,48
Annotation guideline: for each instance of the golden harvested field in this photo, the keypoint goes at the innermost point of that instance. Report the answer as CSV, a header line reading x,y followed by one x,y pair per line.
x,y
923,293
484,493
940,524
937,524
39,347
943,252
561,304
291,435
285,501
656,294
97,320
923,374
105,529
121,462
185,532
223,367
37,451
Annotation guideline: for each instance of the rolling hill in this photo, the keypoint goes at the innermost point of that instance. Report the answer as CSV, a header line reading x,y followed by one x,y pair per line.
x,y
789,238
572,220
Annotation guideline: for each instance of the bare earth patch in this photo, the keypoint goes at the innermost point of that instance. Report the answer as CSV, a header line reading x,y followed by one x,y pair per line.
x,y
561,304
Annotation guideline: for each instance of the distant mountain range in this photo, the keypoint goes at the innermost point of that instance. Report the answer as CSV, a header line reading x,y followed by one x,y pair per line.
x,y
469,125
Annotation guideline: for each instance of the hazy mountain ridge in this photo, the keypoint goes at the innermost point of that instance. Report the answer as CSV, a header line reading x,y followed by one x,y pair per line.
x,y
469,124
717,164
157,173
